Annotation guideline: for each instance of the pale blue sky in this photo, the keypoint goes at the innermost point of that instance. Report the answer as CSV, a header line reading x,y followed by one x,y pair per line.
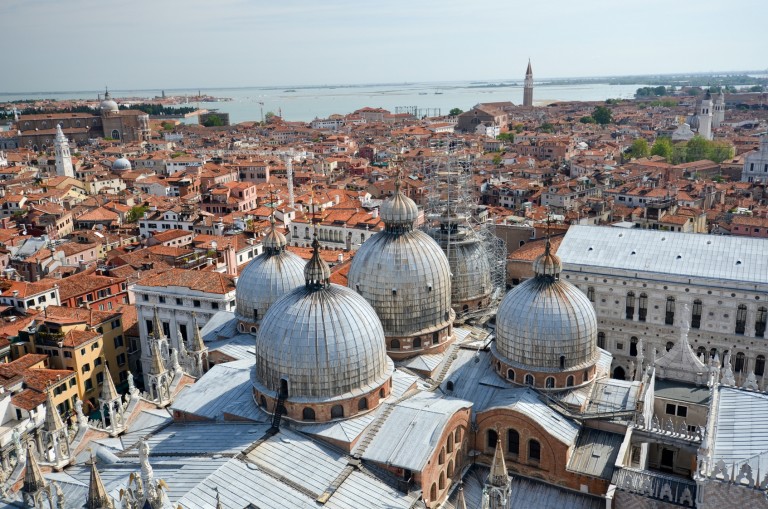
x,y
54,45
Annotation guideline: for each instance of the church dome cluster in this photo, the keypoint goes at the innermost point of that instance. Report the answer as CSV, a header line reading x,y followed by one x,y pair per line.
x,y
404,274
320,350
546,330
269,276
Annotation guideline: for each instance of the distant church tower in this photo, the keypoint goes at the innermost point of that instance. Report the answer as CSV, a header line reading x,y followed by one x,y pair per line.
x,y
63,157
719,110
705,117
528,86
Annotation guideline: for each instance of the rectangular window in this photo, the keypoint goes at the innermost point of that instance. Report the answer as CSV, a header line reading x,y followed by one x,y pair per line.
x,y
196,303
179,302
682,411
88,385
118,341
214,305
161,299
67,355
86,367
145,298
99,378
121,359
670,409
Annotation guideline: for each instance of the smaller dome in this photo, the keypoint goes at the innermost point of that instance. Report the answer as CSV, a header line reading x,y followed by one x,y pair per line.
x,y
548,264
108,104
274,241
121,164
693,121
317,273
399,211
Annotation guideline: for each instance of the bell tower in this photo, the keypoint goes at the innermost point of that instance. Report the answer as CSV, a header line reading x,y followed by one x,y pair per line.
x,y
528,86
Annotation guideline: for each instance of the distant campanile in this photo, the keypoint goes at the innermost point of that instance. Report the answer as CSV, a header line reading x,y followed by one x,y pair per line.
x,y
528,87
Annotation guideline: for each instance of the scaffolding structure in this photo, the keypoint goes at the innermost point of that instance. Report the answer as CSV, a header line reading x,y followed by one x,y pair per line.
x,y
453,218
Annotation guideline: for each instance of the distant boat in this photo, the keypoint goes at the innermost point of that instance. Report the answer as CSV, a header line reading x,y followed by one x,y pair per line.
x,y
422,93
289,90
437,92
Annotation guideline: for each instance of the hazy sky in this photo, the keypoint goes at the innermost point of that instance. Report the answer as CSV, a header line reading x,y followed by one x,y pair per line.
x,y
54,45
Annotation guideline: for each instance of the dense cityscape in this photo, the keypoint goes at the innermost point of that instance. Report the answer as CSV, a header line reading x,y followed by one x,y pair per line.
x,y
545,304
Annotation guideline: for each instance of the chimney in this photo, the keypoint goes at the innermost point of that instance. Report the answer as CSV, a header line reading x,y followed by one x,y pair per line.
x,y
230,258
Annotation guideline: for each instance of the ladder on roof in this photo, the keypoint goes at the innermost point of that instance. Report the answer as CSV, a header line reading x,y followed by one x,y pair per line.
x,y
279,411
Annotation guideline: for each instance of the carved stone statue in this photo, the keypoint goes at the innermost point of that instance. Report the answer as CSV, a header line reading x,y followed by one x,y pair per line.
x,y
131,386
82,420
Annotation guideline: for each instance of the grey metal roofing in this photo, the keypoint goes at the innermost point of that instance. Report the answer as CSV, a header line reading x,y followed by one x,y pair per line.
x,y
526,401
222,386
690,255
360,490
302,461
595,453
203,438
681,391
407,279
327,342
526,493
240,484
547,324
238,347
410,434
611,395
143,424
221,325
742,429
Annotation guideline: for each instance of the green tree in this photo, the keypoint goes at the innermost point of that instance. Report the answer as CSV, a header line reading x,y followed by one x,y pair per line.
x,y
662,147
546,127
268,116
497,159
508,136
639,149
757,88
719,151
696,149
587,120
602,115
455,112
136,213
213,121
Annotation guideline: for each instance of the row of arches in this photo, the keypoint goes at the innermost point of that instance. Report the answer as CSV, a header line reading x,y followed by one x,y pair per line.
x,y
533,447
550,382
308,413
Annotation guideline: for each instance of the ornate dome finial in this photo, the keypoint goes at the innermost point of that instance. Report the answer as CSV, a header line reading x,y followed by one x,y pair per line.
x,y
275,241
317,274
399,212
548,264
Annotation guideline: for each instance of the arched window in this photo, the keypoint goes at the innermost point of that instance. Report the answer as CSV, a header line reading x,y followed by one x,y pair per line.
x,y
760,321
513,442
465,308
511,374
642,307
619,373
441,457
435,338
529,379
712,353
738,366
449,470
449,443
441,481
633,346
569,381
701,352
591,294
741,319
115,134
491,437
630,307
562,362
696,314
263,402
449,385
308,414
585,376
433,492
417,343
534,450
457,436
337,412
382,394
669,345
549,383
395,344
362,404
669,316
760,365
601,340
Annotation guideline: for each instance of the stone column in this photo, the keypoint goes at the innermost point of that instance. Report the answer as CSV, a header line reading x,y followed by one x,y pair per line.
x,y
749,329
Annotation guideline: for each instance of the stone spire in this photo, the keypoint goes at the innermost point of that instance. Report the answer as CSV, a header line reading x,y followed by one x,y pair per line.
x,y
97,493
157,366
275,241
528,86
108,390
680,362
33,477
63,156
460,502
317,274
157,326
111,405
198,345
53,422
498,488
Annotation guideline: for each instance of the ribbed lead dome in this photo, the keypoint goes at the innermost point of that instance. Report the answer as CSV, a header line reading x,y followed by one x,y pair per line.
x,y
405,276
269,276
325,341
544,319
399,212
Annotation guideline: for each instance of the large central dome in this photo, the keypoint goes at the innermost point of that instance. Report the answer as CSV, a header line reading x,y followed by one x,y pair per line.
x,y
322,347
546,327
406,277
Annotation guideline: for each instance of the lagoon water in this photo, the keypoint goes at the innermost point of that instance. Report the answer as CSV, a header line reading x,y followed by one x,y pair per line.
x,y
306,103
